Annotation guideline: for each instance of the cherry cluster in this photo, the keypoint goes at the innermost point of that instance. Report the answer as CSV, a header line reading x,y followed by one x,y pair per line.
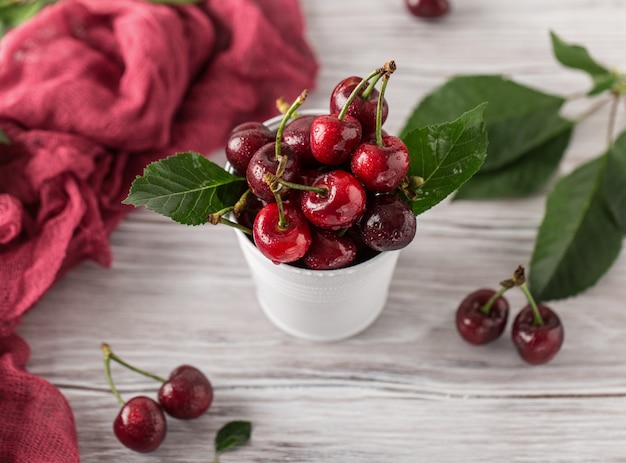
x,y
140,424
537,332
326,191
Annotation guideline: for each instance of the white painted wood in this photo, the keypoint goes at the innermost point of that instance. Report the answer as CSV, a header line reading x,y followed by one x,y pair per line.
x,y
408,389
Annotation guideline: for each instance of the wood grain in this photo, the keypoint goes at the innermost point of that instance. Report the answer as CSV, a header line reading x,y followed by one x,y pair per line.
x,y
407,389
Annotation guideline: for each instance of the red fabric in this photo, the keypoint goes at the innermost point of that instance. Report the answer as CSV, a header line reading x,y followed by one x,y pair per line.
x,y
90,92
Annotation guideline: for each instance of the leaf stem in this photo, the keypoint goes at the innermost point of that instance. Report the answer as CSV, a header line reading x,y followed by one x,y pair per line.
x,y
611,124
592,110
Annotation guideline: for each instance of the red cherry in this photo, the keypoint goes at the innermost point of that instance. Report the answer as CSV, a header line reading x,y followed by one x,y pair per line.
x,y
476,326
388,223
381,168
297,135
264,161
244,141
537,343
342,205
428,8
364,110
281,244
186,394
334,139
140,425
329,251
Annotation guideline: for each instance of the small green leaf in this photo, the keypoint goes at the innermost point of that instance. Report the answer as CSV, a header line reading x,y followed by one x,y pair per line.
x,y
519,121
446,155
231,435
526,175
615,182
577,57
13,14
174,2
186,187
578,239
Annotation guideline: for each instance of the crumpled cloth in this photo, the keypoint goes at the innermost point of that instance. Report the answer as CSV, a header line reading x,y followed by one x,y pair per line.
x,y
91,91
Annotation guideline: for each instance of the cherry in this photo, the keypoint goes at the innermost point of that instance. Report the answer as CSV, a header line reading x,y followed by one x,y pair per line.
x,y
265,161
329,251
140,425
381,167
333,138
363,107
297,135
428,8
187,393
340,206
388,223
281,236
482,315
537,339
244,141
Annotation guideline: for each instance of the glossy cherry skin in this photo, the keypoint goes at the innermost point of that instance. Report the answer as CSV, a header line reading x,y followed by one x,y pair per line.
x,y
428,8
329,251
264,161
278,244
477,327
537,344
187,394
297,135
381,168
388,223
341,207
140,424
363,109
244,141
333,140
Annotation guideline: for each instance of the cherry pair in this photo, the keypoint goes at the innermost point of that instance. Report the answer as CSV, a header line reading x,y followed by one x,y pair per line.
x,y
140,424
537,332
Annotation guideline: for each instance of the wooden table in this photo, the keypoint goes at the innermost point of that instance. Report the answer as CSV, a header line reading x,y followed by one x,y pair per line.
x,y
407,389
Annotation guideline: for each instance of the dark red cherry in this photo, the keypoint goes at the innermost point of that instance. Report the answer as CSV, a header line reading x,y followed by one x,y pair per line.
x,y
476,326
428,8
364,109
277,243
535,343
140,425
297,135
264,161
381,168
329,251
186,394
340,207
388,223
244,141
333,140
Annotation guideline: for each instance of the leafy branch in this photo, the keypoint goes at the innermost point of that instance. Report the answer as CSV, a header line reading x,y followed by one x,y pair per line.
x,y
582,230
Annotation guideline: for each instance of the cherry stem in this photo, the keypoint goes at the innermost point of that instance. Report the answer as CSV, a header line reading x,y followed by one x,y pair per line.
x,y
379,111
370,88
282,221
107,370
238,226
279,132
537,319
487,307
592,110
109,353
272,180
355,92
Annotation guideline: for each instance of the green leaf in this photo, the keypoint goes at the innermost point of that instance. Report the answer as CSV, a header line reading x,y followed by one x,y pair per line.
x,y
519,121
578,239
4,139
231,435
526,175
174,2
185,187
13,14
615,182
446,155
577,57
